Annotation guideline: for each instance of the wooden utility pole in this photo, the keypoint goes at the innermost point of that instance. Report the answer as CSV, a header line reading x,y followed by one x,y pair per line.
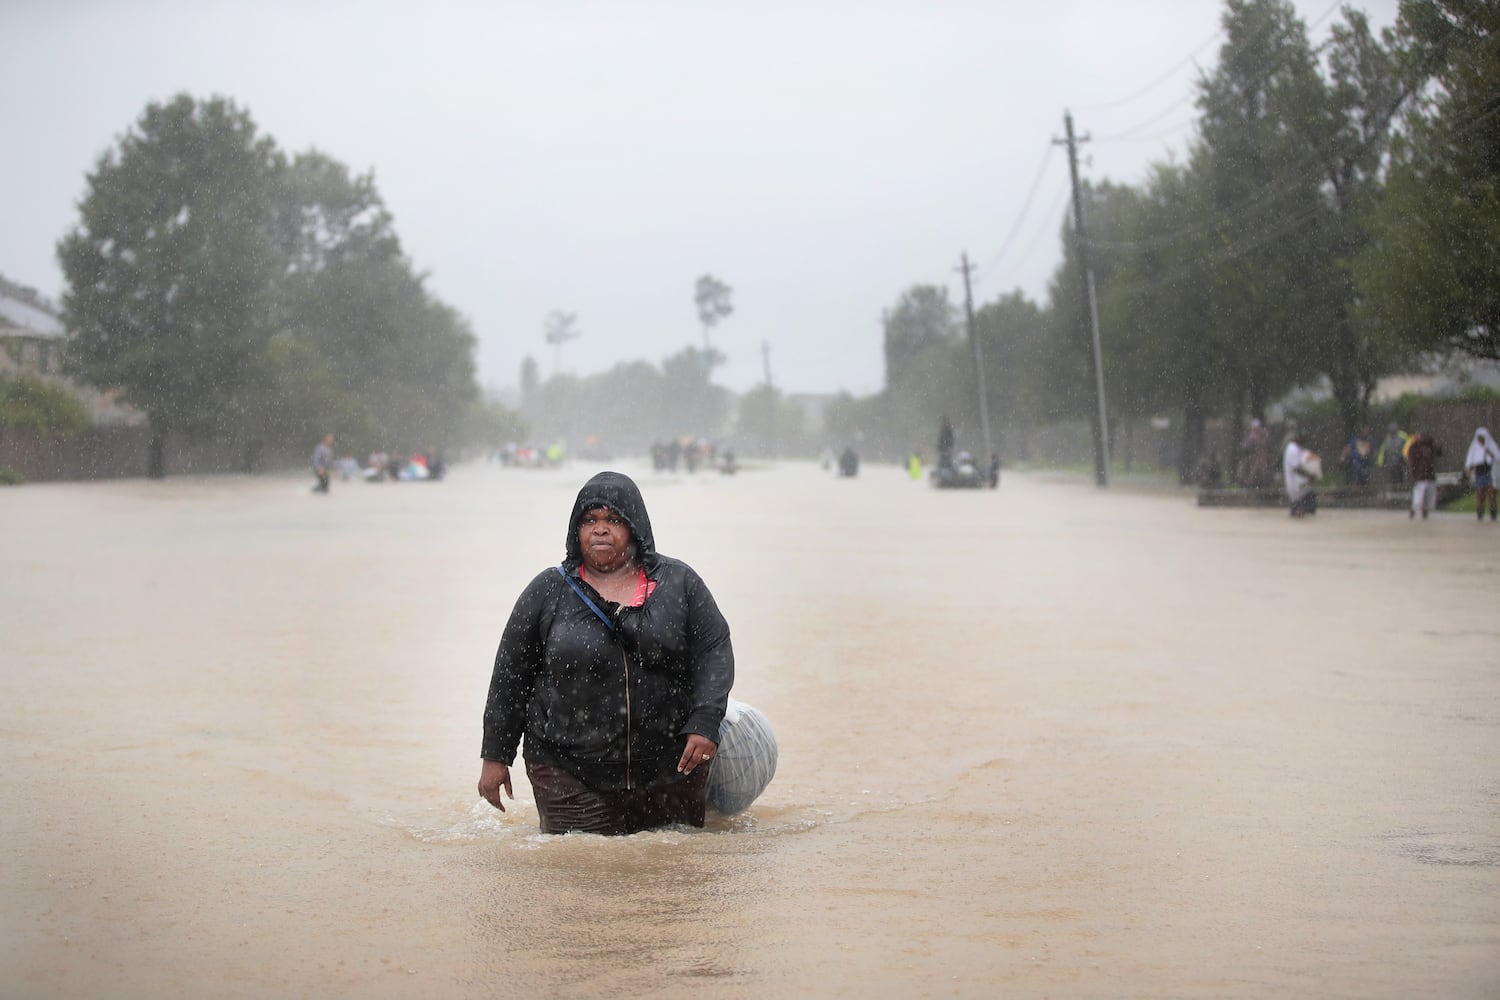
x,y
1089,306
984,405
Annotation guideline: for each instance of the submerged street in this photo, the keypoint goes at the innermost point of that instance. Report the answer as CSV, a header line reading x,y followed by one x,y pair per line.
x,y
1040,741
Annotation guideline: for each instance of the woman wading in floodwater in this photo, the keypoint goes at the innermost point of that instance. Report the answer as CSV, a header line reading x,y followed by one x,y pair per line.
x,y
616,668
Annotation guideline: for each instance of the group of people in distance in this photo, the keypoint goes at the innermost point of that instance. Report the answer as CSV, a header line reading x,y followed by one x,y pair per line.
x,y
420,466
427,465
1360,457
687,452
1405,457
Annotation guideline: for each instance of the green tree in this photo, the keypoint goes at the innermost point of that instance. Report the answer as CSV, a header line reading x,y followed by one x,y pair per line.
x,y
1066,374
922,317
1360,99
27,403
348,293
1429,279
294,394
558,410
697,406
770,424
1013,332
624,408
559,328
1262,118
235,294
323,218
850,420
531,378
711,296
490,424
632,404
171,268
1233,271
1165,349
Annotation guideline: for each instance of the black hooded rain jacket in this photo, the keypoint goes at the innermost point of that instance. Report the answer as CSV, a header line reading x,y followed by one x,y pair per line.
x,y
613,704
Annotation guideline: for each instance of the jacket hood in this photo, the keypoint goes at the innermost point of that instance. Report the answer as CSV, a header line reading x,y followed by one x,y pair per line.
x,y
1482,449
619,493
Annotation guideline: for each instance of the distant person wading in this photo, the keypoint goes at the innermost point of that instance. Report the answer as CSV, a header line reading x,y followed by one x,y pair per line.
x,y
1422,453
1479,466
322,463
1300,467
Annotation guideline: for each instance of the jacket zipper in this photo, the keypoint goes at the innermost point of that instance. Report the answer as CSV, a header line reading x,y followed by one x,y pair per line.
x,y
625,657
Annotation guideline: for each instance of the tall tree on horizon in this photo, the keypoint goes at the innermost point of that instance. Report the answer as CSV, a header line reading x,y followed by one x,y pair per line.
x,y
171,266
1261,108
1429,275
559,328
711,296
234,295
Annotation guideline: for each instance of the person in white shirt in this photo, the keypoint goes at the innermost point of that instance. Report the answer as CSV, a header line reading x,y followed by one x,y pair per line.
x,y
1479,466
1299,468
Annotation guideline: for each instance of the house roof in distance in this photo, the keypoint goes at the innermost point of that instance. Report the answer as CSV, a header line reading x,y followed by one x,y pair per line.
x,y
23,310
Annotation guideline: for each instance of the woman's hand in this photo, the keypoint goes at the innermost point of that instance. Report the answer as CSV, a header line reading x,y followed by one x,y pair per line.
x,y
491,777
699,750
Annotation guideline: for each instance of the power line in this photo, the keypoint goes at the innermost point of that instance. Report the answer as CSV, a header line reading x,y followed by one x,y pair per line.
x,y
1159,80
1163,134
1223,255
1036,182
1129,132
1272,231
1313,165
1308,168
1241,209
1193,55
1049,219
1325,15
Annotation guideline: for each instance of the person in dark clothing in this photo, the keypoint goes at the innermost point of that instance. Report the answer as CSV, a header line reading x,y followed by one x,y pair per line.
x,y
1422,453
945,445
1256,460
1359,457
849,462
1392,457
322,463
616,669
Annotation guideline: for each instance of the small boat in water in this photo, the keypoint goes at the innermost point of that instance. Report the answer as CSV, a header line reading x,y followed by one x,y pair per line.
x,y
963,474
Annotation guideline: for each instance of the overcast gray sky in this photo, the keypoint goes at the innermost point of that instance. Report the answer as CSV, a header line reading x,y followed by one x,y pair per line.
x,y
818,156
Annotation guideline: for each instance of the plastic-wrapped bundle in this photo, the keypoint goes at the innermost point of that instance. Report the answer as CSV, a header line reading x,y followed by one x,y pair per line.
x,y
745,761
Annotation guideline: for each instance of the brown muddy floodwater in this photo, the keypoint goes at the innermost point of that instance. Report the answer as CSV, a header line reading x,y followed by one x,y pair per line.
x,y
1040,742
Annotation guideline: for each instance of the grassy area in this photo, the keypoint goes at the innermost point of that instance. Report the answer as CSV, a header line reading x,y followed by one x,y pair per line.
x,y
1463,504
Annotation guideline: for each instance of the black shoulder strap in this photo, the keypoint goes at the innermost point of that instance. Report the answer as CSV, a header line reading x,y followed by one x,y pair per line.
x,y
585,598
